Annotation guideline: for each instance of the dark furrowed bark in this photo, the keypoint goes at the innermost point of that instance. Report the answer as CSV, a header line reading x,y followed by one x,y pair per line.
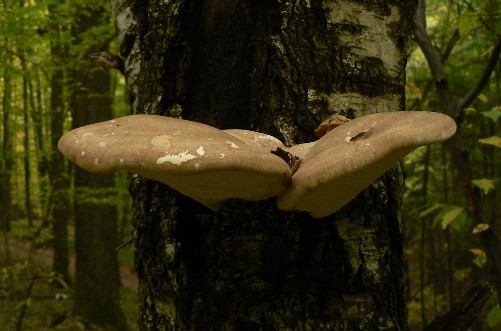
x,y
280,68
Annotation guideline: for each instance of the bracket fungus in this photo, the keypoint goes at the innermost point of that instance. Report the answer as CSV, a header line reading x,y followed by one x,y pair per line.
x,y
211,165
199,161
256,139
349,158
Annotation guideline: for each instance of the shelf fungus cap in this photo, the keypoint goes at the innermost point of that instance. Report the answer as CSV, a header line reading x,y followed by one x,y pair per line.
x,y
349,158
270,143
301,150
256,139
199,161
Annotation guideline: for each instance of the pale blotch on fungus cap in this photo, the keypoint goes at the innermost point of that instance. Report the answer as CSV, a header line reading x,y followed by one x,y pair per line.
x,y
199,161
349,158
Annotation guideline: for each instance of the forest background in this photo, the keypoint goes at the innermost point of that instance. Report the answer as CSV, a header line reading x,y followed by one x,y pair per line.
x,y
44,51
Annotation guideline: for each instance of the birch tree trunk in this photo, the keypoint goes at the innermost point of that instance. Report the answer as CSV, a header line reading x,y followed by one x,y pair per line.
x,y
278,67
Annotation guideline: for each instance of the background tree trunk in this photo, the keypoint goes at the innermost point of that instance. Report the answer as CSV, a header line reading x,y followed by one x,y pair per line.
x,y
6,160
26,144
97,279
278,67
58,200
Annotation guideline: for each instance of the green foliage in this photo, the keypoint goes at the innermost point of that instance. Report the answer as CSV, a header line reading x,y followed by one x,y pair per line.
x,y
494,316
485,184
446,216
31,33
467,23
434,302
440,230
39,47
480,258
493,114
480,228
451,215
462,274
10,274
43,306
96,196
494,141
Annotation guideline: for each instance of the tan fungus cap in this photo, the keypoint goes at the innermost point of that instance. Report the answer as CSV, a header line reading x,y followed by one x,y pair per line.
x,y
256,139
350,157
195,159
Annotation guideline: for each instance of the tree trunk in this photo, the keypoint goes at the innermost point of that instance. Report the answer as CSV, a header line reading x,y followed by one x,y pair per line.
x,y
58,201
26,145
7,152
6,159
97,278
278,67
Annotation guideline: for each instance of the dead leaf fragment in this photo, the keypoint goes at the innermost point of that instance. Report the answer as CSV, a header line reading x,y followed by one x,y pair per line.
x,y
329,124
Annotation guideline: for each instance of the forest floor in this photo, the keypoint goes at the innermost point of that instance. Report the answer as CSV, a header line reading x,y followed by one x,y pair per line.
x,y
20,250
28,291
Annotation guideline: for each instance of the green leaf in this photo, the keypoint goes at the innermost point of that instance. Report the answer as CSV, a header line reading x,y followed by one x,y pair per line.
x,y
450,216
480,257
493,140
485,184
466,23
462,274
482,97
480,261
493,114
494,316
462,224
438,217
429,210
480,228
477,251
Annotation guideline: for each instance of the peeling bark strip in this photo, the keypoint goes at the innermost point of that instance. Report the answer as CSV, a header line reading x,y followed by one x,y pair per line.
x,y
278,67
